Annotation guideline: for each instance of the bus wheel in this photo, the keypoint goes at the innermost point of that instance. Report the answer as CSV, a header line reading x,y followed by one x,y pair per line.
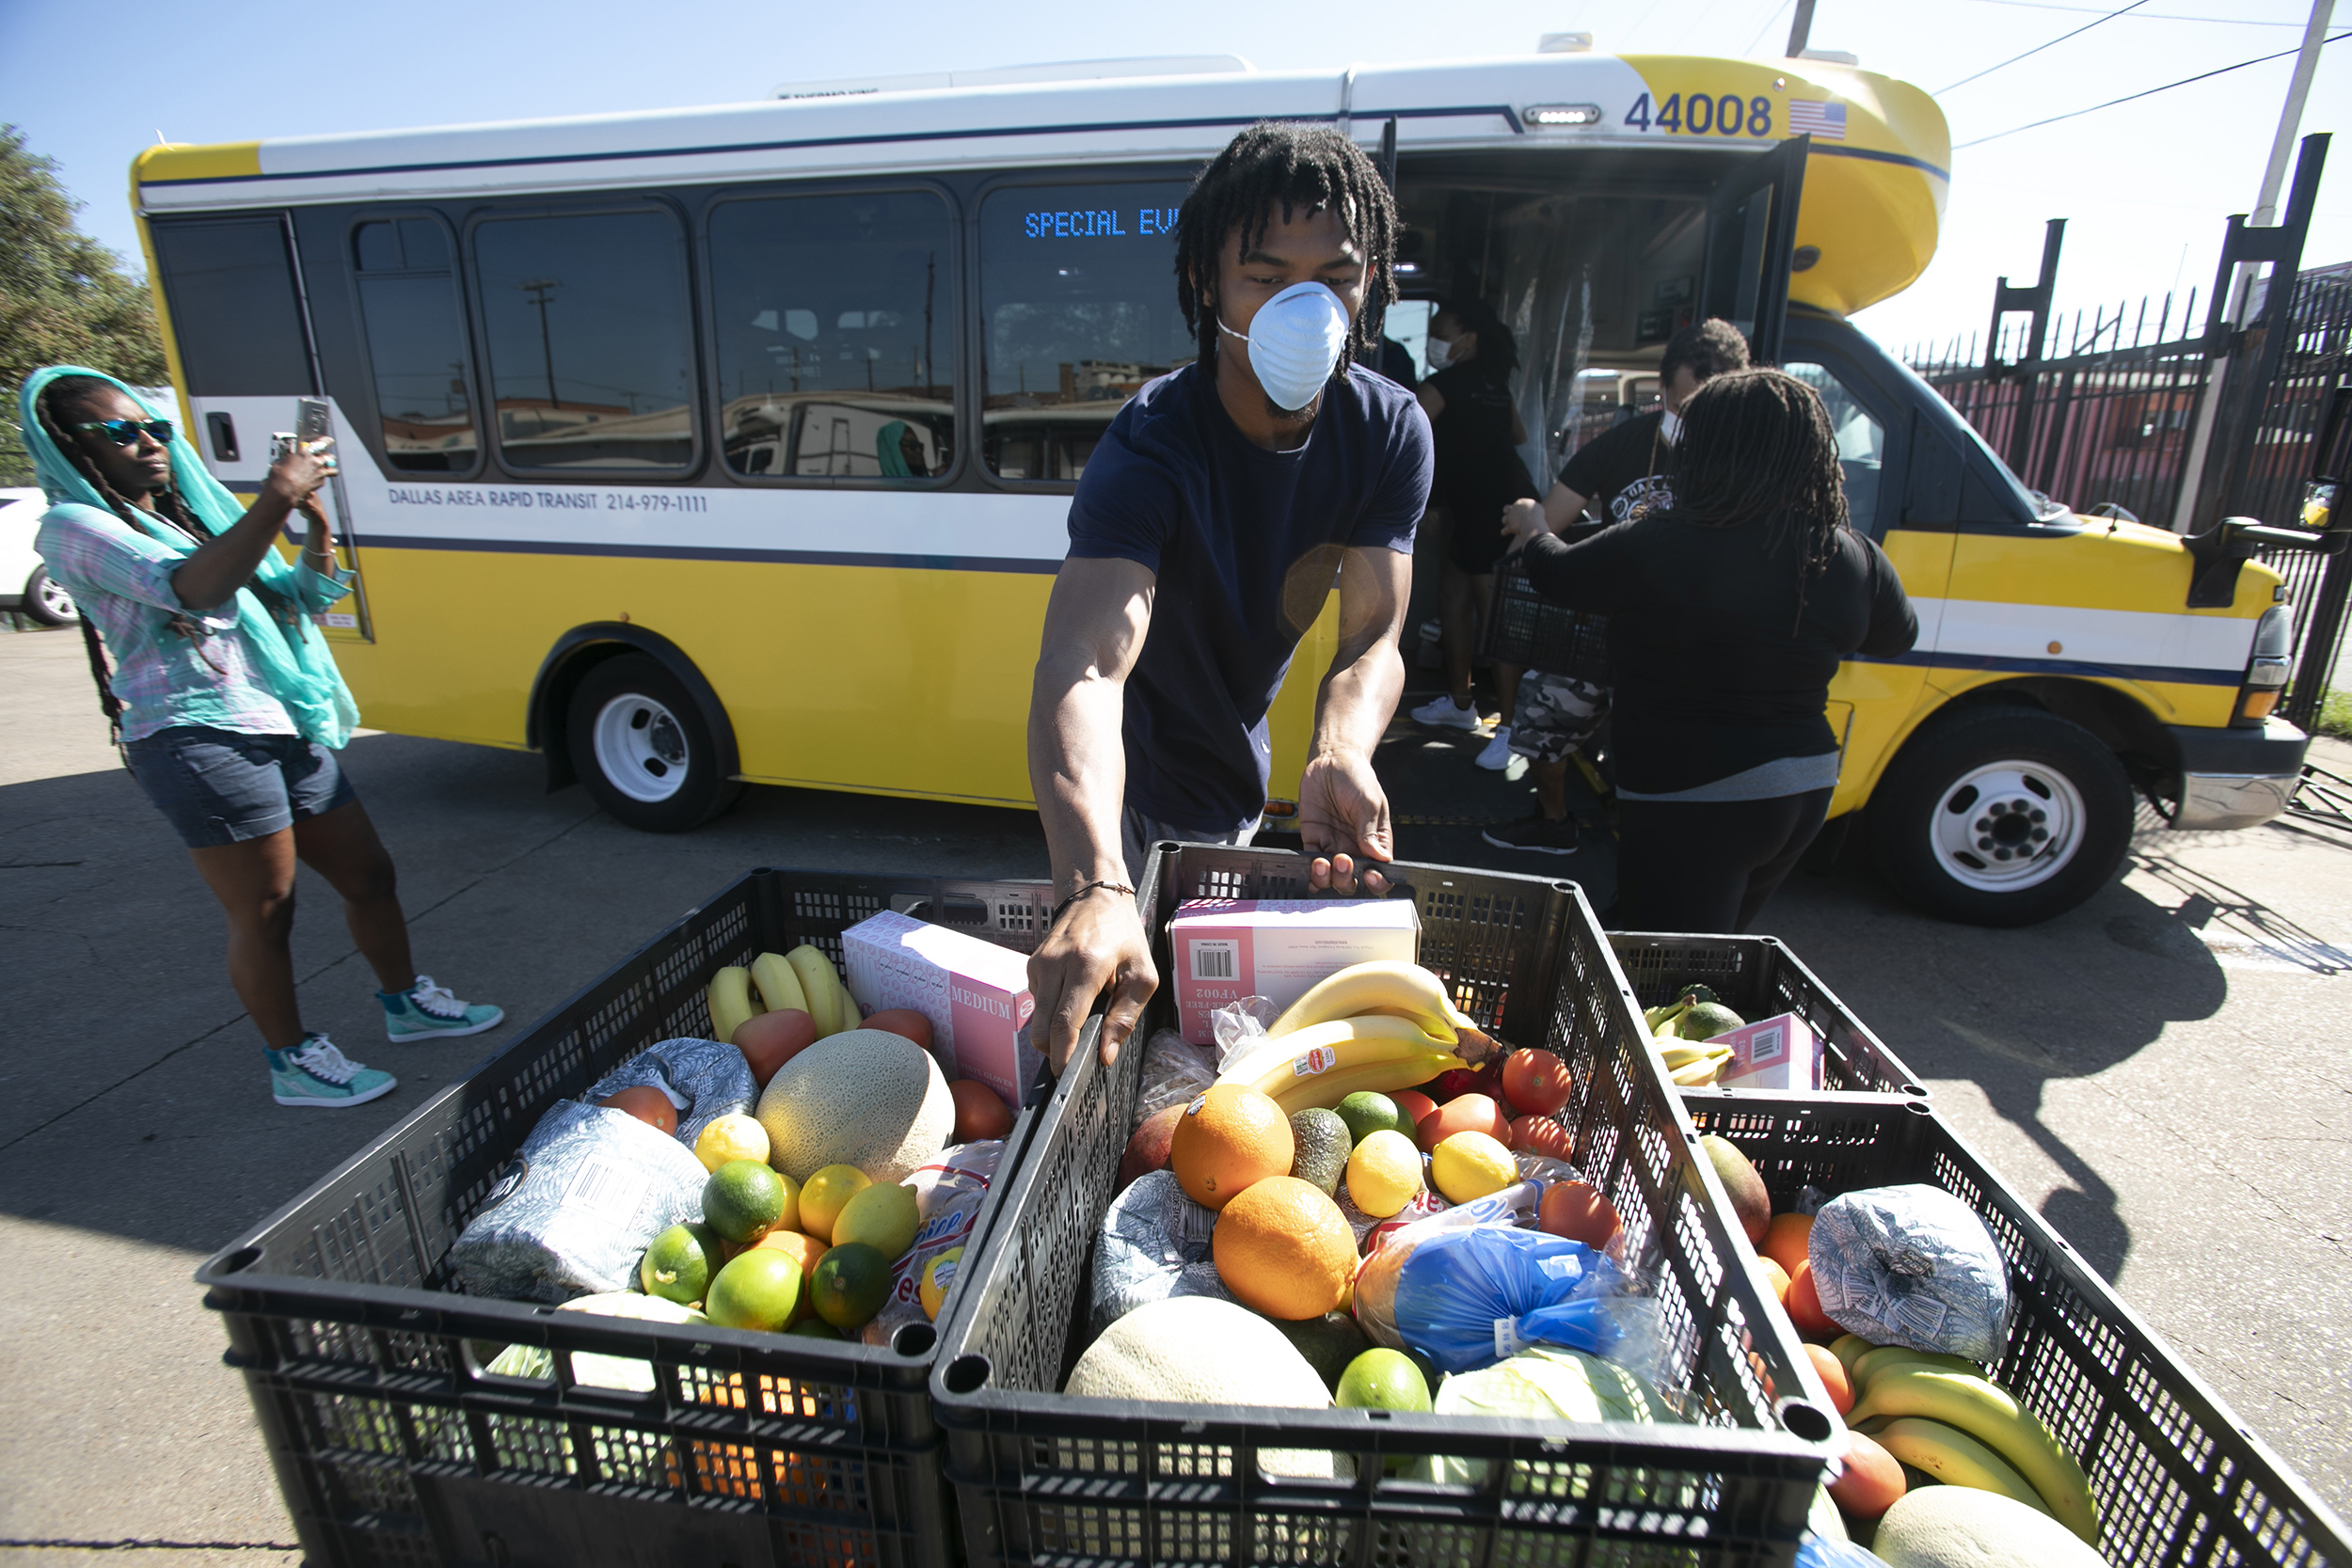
x,y
642,749
2002,817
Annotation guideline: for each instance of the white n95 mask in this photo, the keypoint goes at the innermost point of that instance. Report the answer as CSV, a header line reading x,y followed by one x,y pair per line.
x,y
1441,353
1670,427
1295,340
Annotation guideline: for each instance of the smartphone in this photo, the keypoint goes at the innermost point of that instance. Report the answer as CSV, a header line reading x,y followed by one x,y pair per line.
x,y
312,423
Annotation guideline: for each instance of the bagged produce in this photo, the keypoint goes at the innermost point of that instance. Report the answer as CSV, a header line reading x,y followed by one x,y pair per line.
x,y
1155,1245
1912,1266
575,1209
1469,1298
948,1193
703,1079
1173,1073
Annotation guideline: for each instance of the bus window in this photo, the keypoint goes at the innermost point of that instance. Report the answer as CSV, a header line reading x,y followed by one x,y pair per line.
x,y
1861,443
417,344
230,286
1078,312
836,334
591,357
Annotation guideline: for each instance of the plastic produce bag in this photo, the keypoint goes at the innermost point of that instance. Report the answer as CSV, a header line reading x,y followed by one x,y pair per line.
x,y
1174,1072
1154,1245
1912,1266
703,1079
1469,1298
1240,1028
948,1193
575,1209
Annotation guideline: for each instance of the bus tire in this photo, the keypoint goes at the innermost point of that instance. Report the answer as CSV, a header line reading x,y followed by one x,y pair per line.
x,y
2002,815
642,749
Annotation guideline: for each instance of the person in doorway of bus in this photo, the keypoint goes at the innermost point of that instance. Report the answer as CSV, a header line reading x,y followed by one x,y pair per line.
x,y
1478,431
1734,599
1208,530
1613,475
226,703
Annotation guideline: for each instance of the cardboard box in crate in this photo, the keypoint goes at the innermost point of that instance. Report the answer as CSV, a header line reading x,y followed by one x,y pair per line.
x,y
2178,1480
1758,977
366,1369
1041,1477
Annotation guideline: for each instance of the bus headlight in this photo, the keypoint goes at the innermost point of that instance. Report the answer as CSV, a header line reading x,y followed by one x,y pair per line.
x,y
2266,671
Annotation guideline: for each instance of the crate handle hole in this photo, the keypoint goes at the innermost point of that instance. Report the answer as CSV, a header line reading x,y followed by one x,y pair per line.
x,y
915,1340
1919,1089
1803,1421
241,1260
967,1375
1918,1107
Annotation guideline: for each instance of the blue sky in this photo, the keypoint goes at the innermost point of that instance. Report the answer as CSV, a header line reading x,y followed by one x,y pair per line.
x,y
2146,186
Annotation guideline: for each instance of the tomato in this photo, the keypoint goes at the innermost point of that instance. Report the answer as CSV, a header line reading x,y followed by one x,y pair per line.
x,y
1536,1082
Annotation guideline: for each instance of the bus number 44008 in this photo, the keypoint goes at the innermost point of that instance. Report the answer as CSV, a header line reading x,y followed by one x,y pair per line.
x,y
1702,116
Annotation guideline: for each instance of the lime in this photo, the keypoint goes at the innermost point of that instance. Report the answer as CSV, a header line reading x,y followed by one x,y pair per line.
x,y
850,1284
1384,1173
733,1137
883,1216
743,1200
1367,1113
814,1328
678,1265
828,1190
1382,1380
938,1274
758,1289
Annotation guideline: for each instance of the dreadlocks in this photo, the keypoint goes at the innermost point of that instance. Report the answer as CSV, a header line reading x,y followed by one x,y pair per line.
x,y
1757,448
1298,167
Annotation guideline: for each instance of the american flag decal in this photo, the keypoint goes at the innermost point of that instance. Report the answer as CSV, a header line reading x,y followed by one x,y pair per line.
x,y
1825,120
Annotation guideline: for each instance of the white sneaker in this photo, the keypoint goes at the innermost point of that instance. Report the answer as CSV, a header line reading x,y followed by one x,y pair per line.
x,y
1440,711
1497,757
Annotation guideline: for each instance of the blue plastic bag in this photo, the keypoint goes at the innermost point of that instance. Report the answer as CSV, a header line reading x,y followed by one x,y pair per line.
x,y
1469,1298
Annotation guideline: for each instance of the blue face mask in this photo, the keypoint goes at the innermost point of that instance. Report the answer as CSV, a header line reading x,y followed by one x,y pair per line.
x,y
1295,340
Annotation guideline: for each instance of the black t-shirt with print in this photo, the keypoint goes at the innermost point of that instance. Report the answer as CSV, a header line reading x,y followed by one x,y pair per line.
x,y
1620,469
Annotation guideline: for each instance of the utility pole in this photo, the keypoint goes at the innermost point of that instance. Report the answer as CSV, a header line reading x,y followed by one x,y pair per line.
x,y
538,289
2266,212
1800,29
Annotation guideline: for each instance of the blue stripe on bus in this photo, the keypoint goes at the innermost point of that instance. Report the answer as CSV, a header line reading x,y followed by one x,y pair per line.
x,y
366,541
2178,674
1831,149
1509,116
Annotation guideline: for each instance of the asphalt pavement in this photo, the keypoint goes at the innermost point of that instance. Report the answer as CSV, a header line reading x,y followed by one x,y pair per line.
x,y
2162,1071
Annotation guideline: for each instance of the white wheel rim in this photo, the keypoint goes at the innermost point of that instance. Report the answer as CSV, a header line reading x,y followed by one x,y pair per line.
x,y
55,600
2007,826
639,747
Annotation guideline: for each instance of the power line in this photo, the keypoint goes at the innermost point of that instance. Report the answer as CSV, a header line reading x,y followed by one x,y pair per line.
x,y
1766,28
2077,114
2040,47
2143,16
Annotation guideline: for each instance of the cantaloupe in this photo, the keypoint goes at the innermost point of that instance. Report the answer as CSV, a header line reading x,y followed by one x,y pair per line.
x,y
1959,1527
1196,1349
866,1097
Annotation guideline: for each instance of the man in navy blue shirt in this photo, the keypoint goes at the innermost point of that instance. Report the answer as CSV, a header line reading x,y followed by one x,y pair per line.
x,y
1210,526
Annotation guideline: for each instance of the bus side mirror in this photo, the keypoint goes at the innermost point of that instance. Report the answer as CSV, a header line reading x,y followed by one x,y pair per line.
x,y
2320,513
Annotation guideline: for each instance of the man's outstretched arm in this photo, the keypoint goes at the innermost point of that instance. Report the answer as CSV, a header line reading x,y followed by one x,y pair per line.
x,y
1343,811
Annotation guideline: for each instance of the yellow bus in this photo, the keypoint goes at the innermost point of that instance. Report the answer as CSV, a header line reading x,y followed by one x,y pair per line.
x,y
734,444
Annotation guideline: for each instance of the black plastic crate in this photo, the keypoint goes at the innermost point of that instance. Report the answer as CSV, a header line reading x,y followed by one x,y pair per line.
x,y
1042,1478
1526,629
366,1367
2178,1479
1758,977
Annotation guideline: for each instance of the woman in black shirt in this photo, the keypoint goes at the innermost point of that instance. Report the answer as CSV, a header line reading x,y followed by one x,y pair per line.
x,y
1733,607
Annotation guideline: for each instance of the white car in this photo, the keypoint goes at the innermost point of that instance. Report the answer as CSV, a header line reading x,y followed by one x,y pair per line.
x,y
25,583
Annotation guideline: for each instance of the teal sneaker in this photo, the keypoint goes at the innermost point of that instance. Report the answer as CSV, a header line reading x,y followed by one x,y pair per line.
x,y
315,1073
425,1008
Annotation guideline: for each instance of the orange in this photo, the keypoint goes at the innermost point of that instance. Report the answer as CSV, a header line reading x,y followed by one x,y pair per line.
x,y
1804,1308
1229,1137
1785,1240
1284,1249
1774,1279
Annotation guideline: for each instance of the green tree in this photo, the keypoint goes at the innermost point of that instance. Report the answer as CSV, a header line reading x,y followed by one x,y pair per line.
x,y
64,297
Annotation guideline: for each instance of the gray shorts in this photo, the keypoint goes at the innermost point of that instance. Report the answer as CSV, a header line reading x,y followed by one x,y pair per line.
x,y
1138,832
218,786
1554,715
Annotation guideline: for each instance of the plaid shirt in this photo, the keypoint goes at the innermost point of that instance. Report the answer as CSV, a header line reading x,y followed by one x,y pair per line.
x,y
172,665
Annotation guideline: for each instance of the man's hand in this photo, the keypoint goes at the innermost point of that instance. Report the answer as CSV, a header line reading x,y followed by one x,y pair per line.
x,y
1098,943
1343,811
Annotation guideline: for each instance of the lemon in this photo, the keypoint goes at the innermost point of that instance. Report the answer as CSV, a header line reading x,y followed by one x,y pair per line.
x,y
733,1137
884,1216
1469,1165
937,1276
828,1190
1383,1173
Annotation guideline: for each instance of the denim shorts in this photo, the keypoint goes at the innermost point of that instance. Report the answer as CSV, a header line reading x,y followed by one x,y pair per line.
x,y
217,786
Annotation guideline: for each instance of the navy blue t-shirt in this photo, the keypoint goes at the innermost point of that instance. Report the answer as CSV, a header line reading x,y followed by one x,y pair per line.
x,y
1245,544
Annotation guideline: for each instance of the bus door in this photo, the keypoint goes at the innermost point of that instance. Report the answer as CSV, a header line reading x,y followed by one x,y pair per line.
x,y
1750,238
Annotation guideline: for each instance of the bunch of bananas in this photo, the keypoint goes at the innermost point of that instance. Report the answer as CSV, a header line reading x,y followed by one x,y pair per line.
x,y
1372,1026
1940,1415
1680,1030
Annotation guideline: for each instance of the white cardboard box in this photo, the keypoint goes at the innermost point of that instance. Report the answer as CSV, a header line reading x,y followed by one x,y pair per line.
x,y
974,994
1225,949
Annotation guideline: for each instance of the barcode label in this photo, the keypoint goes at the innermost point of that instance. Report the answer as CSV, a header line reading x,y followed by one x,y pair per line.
x,y
606,1187
1213,960
1767,1045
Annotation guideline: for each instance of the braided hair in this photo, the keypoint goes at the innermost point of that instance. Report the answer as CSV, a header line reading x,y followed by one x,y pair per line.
x,y
1299,168
1757,447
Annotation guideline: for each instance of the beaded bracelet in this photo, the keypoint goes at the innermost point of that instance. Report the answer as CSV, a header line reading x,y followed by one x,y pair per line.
x,y
1063,908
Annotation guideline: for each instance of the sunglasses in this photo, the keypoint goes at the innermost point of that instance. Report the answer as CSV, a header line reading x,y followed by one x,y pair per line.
x,y
123,432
